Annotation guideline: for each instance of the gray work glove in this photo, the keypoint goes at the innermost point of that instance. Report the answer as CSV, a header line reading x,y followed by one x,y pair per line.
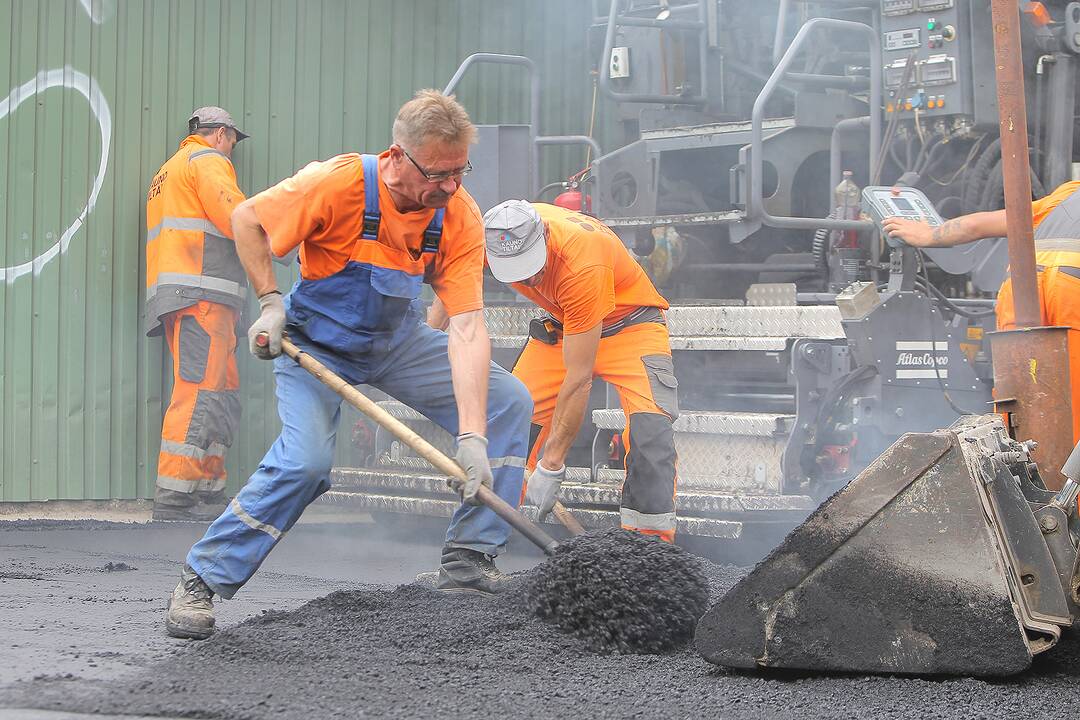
x,y
473,458
271,323
542,490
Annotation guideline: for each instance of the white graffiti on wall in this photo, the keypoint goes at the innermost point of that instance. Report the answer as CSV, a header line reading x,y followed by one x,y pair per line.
x,y
98,10
86,86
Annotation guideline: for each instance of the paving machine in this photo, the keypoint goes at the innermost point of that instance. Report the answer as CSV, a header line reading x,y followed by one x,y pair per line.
x,y
804,344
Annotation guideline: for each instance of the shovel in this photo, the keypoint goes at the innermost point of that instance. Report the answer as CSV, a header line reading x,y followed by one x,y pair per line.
x,y
427,451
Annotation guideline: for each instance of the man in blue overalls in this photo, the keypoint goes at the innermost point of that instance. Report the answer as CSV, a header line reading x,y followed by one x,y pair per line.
x,y
370,231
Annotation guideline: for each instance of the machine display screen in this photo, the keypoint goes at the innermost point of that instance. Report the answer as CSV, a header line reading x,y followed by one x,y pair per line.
x,y
902,205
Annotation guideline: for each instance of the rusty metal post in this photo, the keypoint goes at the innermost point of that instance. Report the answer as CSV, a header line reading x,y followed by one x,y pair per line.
x,y
1031,363
1032,390
1012,113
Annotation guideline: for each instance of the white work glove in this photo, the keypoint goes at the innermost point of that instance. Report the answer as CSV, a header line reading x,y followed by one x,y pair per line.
x,y
542,490
271,323
473,458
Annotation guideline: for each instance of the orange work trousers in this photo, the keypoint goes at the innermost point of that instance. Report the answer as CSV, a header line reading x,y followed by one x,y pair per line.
x,y
1059,301
637,362
204,410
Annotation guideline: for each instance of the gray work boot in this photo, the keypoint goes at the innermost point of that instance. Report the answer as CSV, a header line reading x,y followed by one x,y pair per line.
x,y
190,507
191,608
464,570
213,497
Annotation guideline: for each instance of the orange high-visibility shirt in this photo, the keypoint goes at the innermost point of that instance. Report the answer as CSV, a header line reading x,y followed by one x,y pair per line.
x,y
321,209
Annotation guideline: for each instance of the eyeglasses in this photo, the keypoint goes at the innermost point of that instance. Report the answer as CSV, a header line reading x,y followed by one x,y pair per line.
x,y
439,176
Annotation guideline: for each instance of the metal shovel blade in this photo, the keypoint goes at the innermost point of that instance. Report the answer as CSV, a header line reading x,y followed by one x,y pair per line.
x,y
929,562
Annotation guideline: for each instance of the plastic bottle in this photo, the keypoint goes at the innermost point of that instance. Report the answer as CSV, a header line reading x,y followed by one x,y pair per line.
x,y
847,208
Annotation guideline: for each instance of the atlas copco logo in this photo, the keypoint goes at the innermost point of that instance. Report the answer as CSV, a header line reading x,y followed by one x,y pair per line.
x,y
907,359
921,359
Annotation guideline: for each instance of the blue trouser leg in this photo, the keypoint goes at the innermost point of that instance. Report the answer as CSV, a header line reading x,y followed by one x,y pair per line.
x,y
417,372
295,471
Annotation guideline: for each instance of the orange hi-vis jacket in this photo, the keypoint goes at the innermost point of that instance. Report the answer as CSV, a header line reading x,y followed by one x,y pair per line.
x,y
190,255
1057,257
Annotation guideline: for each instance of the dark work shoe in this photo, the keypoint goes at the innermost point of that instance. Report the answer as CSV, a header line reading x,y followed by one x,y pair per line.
x,y
199,512
191,608
464,570
217,497
185,507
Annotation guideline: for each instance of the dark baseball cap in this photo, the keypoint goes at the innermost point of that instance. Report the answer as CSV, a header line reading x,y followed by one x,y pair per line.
x,y
214,117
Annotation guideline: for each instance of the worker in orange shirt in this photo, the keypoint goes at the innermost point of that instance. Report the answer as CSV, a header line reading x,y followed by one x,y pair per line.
x,y
195,289
1057,258
607,321
371,230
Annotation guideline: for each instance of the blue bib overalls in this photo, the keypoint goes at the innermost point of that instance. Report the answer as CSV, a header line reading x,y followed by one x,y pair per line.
x,y
365,323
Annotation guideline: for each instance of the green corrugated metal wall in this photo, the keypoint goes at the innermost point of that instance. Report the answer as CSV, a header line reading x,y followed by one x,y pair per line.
x,y
99,94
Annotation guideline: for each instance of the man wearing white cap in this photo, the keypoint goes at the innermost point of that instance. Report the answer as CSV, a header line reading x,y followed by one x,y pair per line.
x,y
606,320
195,289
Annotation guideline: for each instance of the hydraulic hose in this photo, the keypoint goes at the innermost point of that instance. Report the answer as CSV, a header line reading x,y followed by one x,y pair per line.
x,y
995,188
977,177
820,247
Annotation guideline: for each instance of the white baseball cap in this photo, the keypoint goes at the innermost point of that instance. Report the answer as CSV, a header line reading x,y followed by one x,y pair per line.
x,y
514,236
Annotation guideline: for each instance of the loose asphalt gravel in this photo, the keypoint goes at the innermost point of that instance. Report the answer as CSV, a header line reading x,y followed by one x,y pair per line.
x,y
380,651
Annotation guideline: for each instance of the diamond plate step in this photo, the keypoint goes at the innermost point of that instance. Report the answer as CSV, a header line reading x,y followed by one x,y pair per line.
x,y
723,450
709,423
701,322
589,518
734,452
393,483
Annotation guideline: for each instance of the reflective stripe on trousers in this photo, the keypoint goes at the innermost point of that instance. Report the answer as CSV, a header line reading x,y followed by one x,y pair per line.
x,y
634,520
203,412
296,469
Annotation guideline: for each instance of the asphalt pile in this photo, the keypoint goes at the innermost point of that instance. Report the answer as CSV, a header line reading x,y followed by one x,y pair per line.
x,y
412,652
619,591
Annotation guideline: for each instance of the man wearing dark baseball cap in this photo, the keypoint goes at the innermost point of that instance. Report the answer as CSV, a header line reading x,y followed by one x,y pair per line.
x,y
214,118
195,290
606,320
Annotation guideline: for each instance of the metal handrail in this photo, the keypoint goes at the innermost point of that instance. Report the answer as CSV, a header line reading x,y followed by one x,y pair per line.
x,y
609,43
570,140
755,206
534,99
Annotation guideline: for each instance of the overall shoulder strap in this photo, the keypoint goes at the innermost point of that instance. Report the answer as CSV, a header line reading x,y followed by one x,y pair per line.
x,y
433,232
372,216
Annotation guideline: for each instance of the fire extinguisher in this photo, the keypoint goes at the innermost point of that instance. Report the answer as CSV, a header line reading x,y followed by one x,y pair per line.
x,y
573,198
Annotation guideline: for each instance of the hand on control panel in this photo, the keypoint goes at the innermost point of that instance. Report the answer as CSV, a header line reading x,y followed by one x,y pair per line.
x,y
915,233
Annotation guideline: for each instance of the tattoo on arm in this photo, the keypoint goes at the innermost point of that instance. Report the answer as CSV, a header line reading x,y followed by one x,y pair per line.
x,y
949,232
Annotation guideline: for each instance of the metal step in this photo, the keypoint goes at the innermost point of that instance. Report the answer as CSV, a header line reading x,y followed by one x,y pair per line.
x,y
395,482
732,451
709,423
595,505
769,126
699,327
722,450
589,519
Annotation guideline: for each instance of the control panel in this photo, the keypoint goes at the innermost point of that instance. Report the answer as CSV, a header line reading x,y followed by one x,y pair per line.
x,y
881,202
936,36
